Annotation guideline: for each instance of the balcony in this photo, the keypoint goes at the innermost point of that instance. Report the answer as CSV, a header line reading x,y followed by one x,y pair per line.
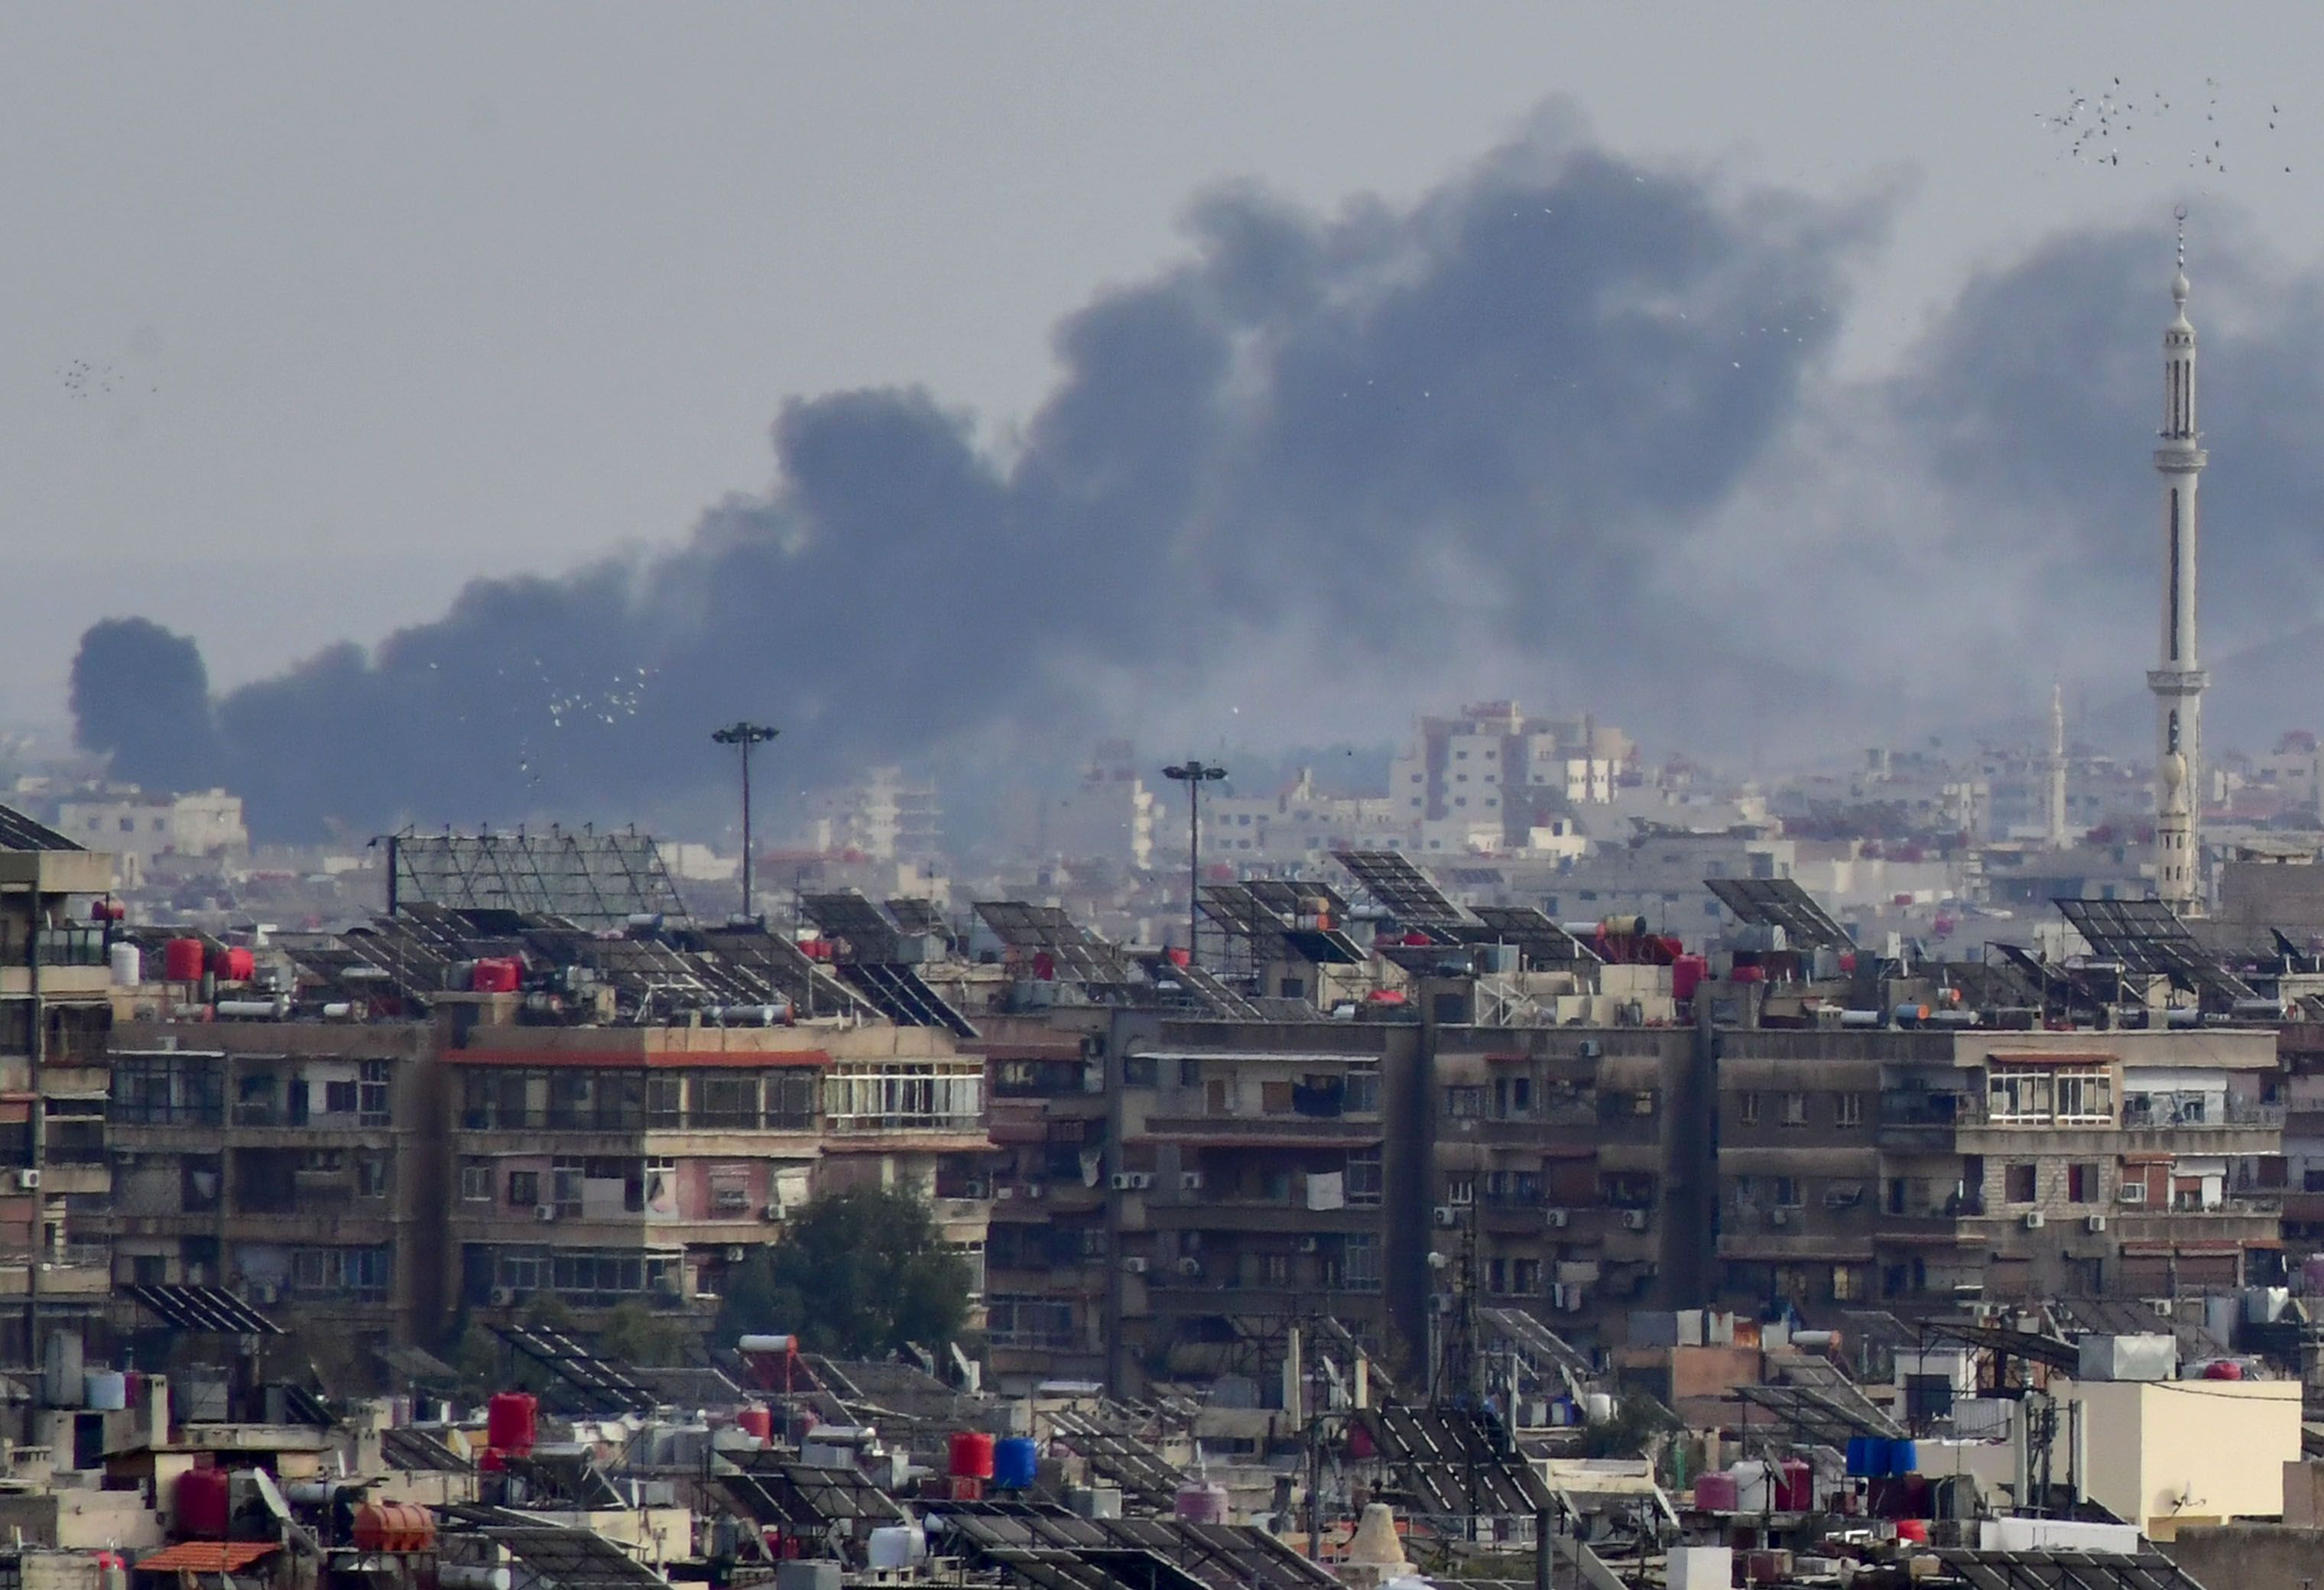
x,y
78,1270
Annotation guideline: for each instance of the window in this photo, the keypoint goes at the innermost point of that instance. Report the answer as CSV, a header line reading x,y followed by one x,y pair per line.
x,y
2080,1095
665,1100
476,1183
361,1272
1360,1262
1190,1072
2020,1182
1787,1192
1363,1183
1460,1190
339,1098
566,1176
1363,1091
370,1095
370,1175
2082,1184
1465,1104
730,1191
523,1189
1747,1109
1847,1110
1795,1110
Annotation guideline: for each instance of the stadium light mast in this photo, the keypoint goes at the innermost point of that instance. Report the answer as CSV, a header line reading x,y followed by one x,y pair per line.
x,y
1194,773
742,734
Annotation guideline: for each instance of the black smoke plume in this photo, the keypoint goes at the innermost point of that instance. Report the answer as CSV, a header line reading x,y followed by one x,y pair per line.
x,y
1567,420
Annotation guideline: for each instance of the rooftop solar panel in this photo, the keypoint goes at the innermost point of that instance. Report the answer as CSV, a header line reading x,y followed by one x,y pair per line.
x,y
915,916
1779,901
1031,929
858,930
605,1386
1401,888
601,879
1299,898
211,1309
1542,942
2150,941
21,832
904,997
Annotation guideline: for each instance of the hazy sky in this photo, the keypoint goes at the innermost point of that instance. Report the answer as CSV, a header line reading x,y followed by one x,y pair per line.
x,y
315,312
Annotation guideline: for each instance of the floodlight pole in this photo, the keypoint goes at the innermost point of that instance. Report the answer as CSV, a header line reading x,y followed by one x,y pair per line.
x,y
1194,773
742,734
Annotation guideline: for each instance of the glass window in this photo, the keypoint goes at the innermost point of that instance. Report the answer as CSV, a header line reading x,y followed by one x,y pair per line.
x,y
477,1182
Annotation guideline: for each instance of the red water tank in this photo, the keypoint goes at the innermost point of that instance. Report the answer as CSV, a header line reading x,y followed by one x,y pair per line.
x,y
2225,1369
1687,973
203,1507
182,960
1916,1529
510,1418
497,975
234,965
108,910
1045,967
393,1526
1796,1490
972,1456
757,1420
1750,974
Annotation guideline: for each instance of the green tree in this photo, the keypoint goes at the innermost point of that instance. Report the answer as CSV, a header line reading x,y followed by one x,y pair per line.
x,y
858,1275
635,1334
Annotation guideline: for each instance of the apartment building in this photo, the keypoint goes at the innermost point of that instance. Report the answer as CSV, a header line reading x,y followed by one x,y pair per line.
x,y
1931,1168
299,1162
139,827
1049,1254
55,1012
601,1163
1566,1163
1248,1189
1484,778
2301,1048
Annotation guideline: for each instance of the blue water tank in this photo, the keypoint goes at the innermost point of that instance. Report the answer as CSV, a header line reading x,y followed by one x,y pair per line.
x,y
1904,1458
1859,1456
1013,1461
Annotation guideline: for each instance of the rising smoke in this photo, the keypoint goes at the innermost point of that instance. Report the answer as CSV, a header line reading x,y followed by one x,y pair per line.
x,y
1566,412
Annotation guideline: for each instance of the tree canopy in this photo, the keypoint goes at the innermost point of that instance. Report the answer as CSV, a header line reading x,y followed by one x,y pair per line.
x,y
859,1274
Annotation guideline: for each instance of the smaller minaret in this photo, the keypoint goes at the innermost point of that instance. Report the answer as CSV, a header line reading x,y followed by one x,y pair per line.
x,y
2054,810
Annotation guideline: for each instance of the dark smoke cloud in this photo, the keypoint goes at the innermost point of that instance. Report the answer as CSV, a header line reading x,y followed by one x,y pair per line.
x,y
1567,417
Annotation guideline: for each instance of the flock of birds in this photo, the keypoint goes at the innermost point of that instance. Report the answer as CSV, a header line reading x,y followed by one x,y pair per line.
x,y
2096,127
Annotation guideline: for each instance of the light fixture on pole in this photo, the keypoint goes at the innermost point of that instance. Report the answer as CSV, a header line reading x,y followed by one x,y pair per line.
x,y
742,735
1194,773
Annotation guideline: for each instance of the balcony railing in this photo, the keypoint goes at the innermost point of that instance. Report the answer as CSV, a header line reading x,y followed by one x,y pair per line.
x,y
2237,1115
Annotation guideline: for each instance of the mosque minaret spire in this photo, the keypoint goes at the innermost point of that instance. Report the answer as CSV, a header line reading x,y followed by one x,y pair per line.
x,y
2178,678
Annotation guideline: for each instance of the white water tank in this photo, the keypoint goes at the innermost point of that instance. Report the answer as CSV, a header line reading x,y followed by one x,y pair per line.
x,y
128,965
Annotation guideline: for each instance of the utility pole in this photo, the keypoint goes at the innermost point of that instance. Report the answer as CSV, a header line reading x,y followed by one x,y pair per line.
x,y
742,734
1194,773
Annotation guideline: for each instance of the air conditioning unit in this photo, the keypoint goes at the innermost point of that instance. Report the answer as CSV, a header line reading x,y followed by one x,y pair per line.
x,y
1634,1219
265,1291
1559,1219
1190,1267
1134,1264
1309,1245
504,1296
2130,1192
1003,1191
2035,1219
1592,1049
1643,1103
1190,1180
1779,1216
28,1181
544,1212
2094,1222
1036,1189
1140,1180
1446,1215
735,1255
773,1211
1119,1181
972,1190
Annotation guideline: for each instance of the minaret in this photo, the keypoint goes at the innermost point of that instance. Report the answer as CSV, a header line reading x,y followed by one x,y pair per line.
x,y
2054,810
2178,679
